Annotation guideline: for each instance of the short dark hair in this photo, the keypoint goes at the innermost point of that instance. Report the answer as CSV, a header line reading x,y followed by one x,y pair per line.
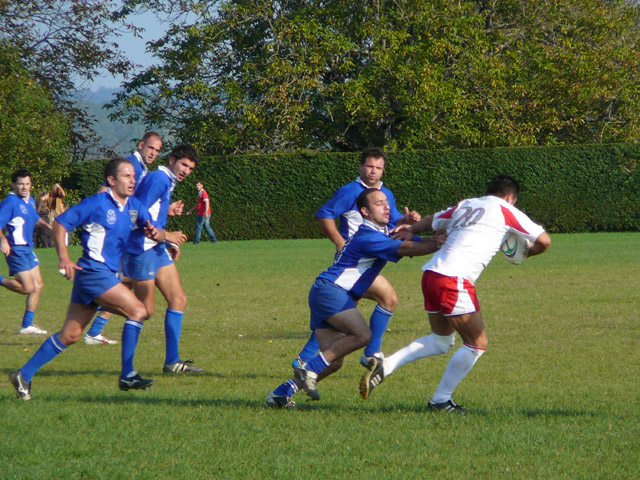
x,y
375,152
149,135
363,198
112,167
503,185
184,151
22,173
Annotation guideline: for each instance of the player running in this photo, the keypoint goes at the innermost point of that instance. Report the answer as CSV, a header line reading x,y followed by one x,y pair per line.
x,y
107,220
339,326
476,229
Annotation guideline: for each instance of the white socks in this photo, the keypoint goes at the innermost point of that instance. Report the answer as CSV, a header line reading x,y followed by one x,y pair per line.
x,y
460,364
422,347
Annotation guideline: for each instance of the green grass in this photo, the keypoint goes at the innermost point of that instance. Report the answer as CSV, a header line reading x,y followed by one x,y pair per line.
x,y
555,396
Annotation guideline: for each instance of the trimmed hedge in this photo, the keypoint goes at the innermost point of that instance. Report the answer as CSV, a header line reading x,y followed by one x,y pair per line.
x,y
587,188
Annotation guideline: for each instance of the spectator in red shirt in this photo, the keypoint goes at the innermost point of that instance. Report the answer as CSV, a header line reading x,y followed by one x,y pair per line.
x,y
203,214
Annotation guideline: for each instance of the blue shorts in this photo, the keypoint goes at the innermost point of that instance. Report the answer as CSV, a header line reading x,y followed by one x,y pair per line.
x,y
145,266
21,259
325,300
89,284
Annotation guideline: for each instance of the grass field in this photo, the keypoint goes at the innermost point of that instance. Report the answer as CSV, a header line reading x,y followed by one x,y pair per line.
x,y
556,396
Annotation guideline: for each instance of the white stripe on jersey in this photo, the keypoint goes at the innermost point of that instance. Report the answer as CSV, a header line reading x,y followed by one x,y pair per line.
x,y
18,233
97,234
350,276
354,220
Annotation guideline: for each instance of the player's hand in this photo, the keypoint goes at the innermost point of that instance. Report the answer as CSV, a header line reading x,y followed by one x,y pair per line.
x,y
67,268
176,208
174,251
5,248
439,238
411,217
177,238
150,231
402,232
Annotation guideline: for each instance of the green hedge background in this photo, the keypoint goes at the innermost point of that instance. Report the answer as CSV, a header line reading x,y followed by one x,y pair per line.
x,y
588,188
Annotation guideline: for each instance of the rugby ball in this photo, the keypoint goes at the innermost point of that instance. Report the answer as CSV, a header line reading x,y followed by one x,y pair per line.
x,y
515,248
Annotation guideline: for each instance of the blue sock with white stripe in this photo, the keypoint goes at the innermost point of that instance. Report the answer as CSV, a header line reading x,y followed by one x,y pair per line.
x,y
378,324
288,388
310,349
318,364
172,329
27,319
50,349
130,335
97,326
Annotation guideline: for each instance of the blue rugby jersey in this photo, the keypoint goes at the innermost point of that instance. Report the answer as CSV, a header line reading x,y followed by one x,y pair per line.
x,y
343,205
139,167
362,258
19,216
154,191
106,227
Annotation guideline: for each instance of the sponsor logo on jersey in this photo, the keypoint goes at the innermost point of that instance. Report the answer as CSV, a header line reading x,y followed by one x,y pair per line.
x,y
133,215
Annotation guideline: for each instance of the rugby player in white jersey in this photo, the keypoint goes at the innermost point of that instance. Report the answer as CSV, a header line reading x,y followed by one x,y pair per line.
x,y
476,229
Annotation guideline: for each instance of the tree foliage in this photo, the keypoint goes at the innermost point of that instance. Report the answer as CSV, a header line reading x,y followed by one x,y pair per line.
x,y
33,134
65,43
262,76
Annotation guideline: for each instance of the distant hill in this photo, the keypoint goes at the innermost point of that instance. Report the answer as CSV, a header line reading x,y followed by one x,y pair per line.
x,y
120,137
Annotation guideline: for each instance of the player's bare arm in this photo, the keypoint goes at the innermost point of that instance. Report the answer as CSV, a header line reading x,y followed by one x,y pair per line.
x,y
425,246
4,245
44,223
329,229
542,243
65,263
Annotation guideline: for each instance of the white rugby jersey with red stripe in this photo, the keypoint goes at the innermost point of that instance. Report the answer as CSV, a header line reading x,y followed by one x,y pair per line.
x,y
476,228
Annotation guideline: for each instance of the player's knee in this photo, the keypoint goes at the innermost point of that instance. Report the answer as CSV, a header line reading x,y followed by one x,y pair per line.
x,y
178,302
140,313
70,337
363,337
389,300
445,342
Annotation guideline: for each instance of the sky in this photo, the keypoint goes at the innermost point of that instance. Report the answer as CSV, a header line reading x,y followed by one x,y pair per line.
x,y
133,48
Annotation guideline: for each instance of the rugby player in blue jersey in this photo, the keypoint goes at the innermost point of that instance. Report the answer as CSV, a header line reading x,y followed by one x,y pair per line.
x,y
339,326
107,220
150,264
343,206
18,214
148,149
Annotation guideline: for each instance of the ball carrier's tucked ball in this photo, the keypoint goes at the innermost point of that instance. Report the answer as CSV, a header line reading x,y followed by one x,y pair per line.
x,y
515,249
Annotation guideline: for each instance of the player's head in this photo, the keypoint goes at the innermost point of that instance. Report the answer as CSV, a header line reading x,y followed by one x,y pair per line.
x,y
21,181
182,160
120,176
504,186
149,147
372,162
199,185
373,206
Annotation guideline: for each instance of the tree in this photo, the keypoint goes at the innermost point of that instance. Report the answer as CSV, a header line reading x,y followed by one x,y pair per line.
x,y
64,42
258,75
33,134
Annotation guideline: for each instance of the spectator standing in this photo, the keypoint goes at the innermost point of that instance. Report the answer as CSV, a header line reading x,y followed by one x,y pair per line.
x,y
203,214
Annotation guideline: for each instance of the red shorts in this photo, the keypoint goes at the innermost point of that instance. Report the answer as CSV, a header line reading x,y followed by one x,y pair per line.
x,y
449,295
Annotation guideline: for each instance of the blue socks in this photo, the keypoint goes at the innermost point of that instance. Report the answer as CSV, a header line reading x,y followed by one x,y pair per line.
x,y
97,326
378,324
318,364
172,329
49,350
288,388
310,349
27,320
130,335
